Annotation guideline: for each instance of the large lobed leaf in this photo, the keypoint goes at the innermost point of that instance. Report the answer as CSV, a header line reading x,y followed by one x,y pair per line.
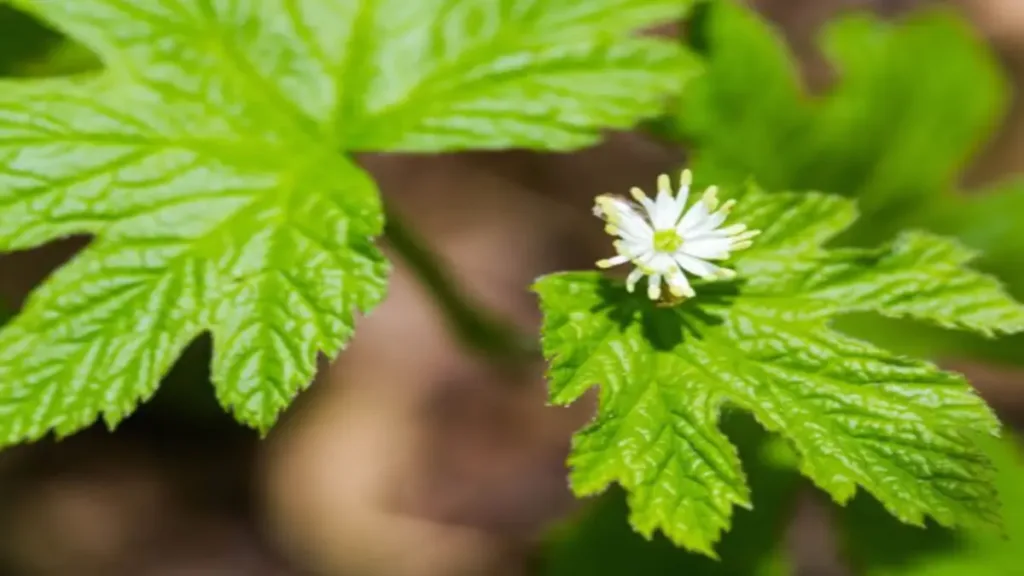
x,y
856,414
208,162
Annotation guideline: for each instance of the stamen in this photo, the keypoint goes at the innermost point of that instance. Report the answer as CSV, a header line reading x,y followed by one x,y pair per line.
x,y
710,198
748,235
605,202
667,240
664,184
685,179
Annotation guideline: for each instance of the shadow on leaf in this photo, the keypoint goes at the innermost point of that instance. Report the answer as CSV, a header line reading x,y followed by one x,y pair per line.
x,y
666,327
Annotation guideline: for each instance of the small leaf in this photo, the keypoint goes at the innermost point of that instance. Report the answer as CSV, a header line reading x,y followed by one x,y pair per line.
x,y
856,414
601,542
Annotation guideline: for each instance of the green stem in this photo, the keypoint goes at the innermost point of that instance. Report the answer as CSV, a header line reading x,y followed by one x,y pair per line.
x,y
477,329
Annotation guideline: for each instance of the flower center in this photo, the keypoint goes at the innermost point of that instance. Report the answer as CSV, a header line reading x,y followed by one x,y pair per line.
x,y
667,241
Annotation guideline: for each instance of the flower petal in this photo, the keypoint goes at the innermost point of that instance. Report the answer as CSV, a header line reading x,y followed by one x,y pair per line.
x,y
697,267
685,180
633,278
695,216
708,247
613,261
626,220
662,263
679,286
646,203
666,211
633,249
654,286
634,225
715,220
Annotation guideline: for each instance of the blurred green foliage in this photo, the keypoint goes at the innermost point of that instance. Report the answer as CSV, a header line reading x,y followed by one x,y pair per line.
x,y
914,100
891,131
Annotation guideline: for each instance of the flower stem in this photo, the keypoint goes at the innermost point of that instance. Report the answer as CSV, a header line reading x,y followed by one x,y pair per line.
x,y
475,328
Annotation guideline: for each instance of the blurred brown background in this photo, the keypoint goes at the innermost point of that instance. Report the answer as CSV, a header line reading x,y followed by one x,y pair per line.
x,y
409,456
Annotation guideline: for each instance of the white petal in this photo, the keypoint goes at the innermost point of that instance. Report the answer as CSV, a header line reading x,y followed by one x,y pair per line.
x,y
685,179
613,261
697,214
708,248
632,249
711,234
733,233
684,193
643,261
666,210
662,263
696,266
633,278
678,285
667,214
632,224
712,222
654,286
629,237
645,202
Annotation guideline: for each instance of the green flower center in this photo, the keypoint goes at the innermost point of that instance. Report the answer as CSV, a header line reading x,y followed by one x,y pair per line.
x,y
667,241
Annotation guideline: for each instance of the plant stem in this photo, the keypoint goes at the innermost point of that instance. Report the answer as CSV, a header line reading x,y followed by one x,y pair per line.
x,y
476,328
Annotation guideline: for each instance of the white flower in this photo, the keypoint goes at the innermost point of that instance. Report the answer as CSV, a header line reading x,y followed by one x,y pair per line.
x,y
664,243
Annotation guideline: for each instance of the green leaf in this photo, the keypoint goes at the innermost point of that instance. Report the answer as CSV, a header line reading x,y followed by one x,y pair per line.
x,y
988,222
20,39
891,132
879,547
207,161
601,543
856,414
511,73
